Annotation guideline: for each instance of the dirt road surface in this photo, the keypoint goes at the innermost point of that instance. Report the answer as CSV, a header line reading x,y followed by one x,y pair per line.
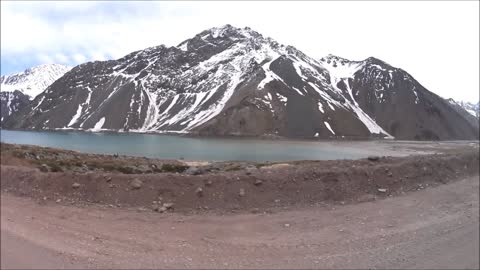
x,y
434,228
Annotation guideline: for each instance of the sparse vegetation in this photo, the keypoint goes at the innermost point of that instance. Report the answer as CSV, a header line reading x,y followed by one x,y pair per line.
x,y
174,168
63,160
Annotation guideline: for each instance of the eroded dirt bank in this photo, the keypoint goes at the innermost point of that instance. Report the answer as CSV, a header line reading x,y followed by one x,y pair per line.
x,y
68,177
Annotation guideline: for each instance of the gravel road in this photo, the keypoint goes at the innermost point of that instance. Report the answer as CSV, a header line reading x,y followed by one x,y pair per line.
x,y
434,228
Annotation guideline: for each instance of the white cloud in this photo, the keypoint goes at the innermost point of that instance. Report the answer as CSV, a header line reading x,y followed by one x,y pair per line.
x,y
79,58
44,58
61,58
436,42
97,56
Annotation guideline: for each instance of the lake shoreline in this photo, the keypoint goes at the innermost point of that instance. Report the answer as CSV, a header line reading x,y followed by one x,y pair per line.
x,y
222,149
266,137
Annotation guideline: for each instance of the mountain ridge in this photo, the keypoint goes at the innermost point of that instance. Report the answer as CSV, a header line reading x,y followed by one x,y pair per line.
x,y
32,81
234,81
17,89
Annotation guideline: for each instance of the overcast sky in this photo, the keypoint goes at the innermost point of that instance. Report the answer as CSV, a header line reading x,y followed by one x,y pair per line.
x,y
436,42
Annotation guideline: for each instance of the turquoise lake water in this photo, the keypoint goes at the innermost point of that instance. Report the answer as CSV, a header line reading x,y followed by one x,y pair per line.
x,y
175,147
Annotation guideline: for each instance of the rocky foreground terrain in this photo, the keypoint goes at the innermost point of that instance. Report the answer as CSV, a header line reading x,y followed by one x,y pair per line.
x,y
163,185
235,81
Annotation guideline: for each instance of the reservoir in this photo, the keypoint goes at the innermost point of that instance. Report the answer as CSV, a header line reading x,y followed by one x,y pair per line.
x,y
189,148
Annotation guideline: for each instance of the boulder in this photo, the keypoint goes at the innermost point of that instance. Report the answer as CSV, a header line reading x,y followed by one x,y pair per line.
x,y
193,171
168,205
44,168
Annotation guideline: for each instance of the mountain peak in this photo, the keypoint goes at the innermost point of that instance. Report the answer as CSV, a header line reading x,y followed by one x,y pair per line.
x,y
34,80
226,33
375,61
229,30
40,68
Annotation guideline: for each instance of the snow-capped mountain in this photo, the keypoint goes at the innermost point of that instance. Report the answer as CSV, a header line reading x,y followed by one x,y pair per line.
x,y
234,81
34,80
17,89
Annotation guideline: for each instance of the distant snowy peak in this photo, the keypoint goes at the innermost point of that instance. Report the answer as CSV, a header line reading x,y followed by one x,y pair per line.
x,y
470,107
33,81
219,38
234,32
227,31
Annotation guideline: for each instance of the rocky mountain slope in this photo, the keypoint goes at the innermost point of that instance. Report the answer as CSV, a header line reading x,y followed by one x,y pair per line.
x,y
234,81
17,89
470,107
11,102
468,110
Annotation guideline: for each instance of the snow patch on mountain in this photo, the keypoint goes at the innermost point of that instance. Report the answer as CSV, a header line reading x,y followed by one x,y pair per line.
x,y
98,126
340,67
329,127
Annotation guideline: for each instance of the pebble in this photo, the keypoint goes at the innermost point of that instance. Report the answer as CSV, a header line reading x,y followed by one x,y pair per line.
x,y
75,185
168,205
255,211
199,192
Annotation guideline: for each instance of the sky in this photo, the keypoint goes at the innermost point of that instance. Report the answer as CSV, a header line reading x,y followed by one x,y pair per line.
x,y
436,42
